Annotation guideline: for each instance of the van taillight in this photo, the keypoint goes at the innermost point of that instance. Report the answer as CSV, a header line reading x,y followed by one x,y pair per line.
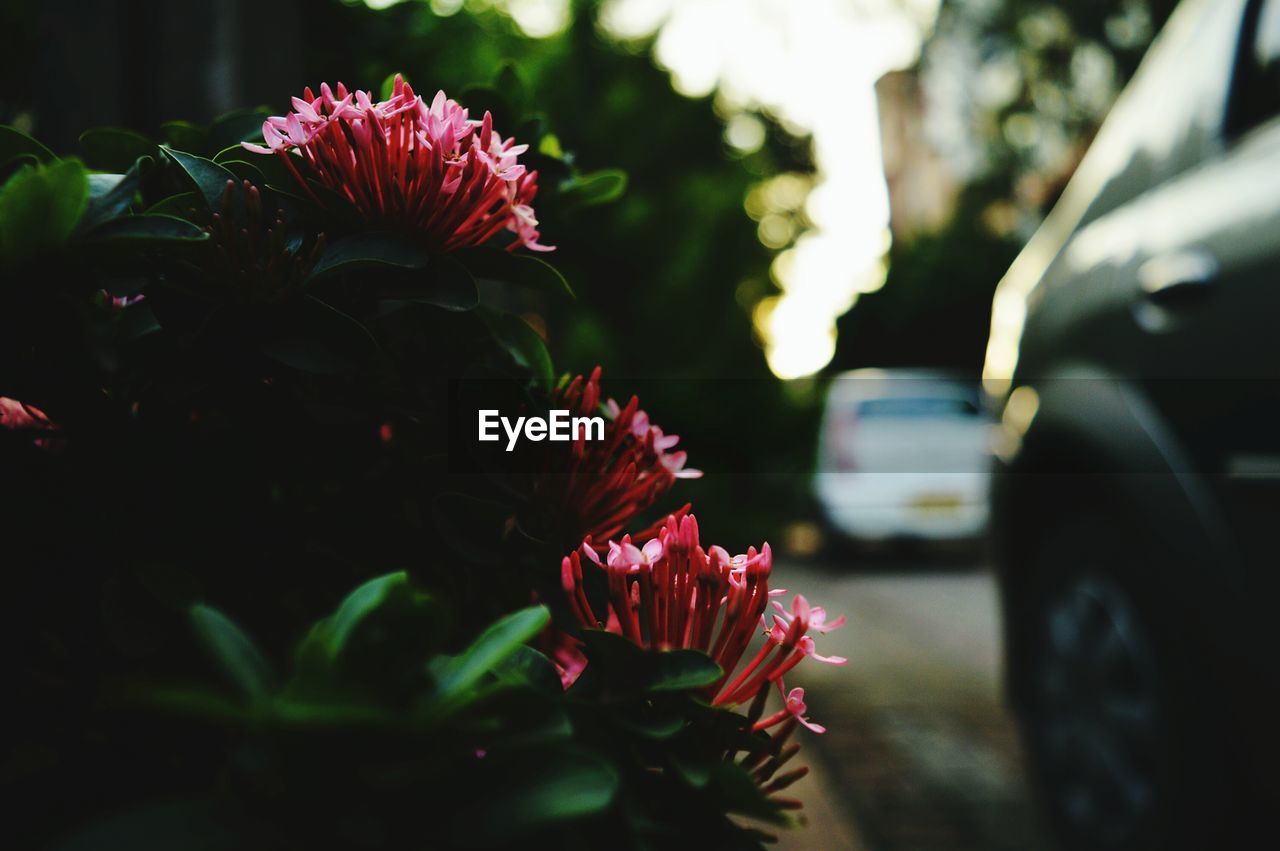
x,y
840,439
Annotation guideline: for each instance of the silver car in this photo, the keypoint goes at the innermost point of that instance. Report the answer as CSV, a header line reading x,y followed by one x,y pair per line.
x,y
1135,356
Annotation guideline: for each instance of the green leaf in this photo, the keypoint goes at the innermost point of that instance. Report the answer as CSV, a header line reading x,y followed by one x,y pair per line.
x,y
550,146
271,167
695,770
677,670
180,205
372,250
530,668
328,637
455,675
15,143
400,271
443,283
449,285
235,652
564,787
184,135
736,792
241,125
651,725
209,178
538,791
612,650
110,195
150,227
245,170
523,270
627,668
319,338
39,208
136,322
325,198
230,152
262,171
521,342
17,163
113,149
599,187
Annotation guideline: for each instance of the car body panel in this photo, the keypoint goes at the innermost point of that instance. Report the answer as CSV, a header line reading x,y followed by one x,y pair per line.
x,y
1134,355
1147,138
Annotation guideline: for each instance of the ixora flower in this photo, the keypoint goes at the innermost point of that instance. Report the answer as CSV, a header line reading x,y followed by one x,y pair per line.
x,y
408,164
672,593
596,487
19,416
256,262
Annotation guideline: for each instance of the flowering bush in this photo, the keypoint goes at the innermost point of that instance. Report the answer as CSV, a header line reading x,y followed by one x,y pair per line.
x,y
404,164
238,379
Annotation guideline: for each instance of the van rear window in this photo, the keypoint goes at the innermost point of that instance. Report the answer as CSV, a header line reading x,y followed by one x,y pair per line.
x,y
917,406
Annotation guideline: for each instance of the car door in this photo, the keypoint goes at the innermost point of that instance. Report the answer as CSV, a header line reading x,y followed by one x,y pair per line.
x,y
1189,271
1182,295
1207,299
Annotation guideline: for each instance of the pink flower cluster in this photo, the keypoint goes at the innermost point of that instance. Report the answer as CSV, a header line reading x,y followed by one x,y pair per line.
x,y
19,416
407,164
672,593
602,484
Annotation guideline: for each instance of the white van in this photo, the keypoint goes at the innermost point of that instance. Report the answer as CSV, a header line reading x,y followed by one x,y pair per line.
x,y
904,453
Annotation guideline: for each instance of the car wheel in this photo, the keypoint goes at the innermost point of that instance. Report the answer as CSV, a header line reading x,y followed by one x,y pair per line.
x,y
1123,738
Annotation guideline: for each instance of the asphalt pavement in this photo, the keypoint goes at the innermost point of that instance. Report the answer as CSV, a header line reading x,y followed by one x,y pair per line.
x,y
920,753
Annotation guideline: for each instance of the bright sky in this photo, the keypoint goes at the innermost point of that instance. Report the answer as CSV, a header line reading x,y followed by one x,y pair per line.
x,y
811,64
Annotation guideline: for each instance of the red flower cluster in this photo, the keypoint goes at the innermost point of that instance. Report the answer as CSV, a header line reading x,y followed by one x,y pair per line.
x,y
19,416
603,484
407,164
673,593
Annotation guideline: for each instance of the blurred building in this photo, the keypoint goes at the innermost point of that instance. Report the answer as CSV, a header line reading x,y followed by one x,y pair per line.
x,y
922,184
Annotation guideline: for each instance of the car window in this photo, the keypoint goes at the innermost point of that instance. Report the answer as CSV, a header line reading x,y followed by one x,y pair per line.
x,y
1256,88
1170,117
917,406
1266,48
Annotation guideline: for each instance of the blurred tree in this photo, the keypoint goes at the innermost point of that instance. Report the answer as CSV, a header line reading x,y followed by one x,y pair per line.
x,y
664,322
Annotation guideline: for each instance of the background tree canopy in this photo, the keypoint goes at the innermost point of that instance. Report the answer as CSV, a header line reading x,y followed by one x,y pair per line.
x,y
671,319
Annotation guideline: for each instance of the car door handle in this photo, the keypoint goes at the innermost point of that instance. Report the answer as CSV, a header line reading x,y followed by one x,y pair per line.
x,y
1179,279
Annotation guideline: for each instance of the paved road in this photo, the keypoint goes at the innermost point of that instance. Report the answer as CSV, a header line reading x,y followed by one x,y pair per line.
x,y
920,751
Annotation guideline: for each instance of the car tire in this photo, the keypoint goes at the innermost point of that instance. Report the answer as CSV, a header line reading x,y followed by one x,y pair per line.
x,y
1125,741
